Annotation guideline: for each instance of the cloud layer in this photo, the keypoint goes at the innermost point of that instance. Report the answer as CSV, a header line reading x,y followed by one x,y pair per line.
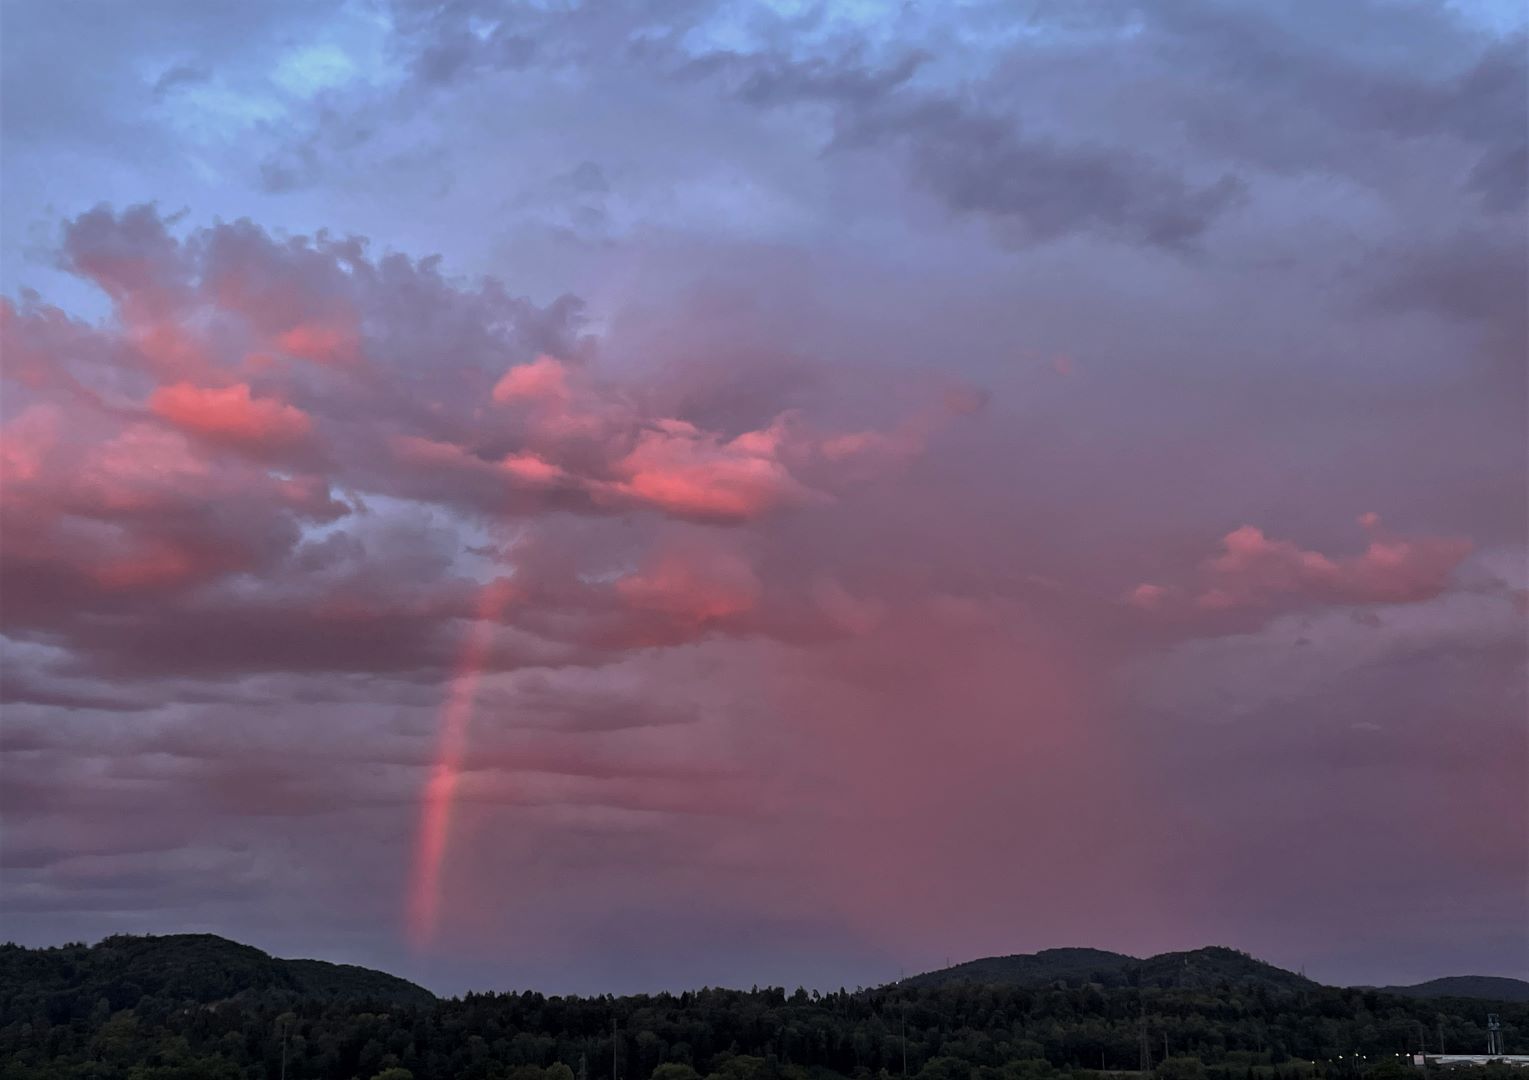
x,y
840,466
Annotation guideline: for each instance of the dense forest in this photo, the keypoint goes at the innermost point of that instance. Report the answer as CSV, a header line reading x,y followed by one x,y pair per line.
x,y
202,1008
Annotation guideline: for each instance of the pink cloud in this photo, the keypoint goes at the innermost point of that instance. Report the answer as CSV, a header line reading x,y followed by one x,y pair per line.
x,y
692,587
544,379
1254,573
876,448
140,467
166,566
230,415
1147,596
684,471
101,507
319,343
26,441
195,318
531,468
1400,571
168,347
419,450
97,510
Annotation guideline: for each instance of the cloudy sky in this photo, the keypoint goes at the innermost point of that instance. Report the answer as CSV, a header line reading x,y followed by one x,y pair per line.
x,y
617,495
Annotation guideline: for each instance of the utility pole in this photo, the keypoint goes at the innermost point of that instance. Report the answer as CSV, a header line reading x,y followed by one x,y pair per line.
x,y
613,1048
1441,1035
284,1025
1141,1038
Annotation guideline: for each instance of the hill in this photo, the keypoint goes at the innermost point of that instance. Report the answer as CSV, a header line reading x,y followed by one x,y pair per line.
x,y
1487,987
197,1007
1198,969
188,968
1213,967
1032,970
348,982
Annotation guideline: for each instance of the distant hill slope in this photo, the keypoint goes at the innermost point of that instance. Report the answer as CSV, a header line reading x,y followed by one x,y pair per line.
x,y
1205,969
1198,969
1033,969
1489,987
319,978
1208,968
201,968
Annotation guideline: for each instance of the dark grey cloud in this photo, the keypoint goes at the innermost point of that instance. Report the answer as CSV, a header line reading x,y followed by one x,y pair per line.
x,y
1037,189
102,84
179,75
1280,87
1501,177
1477,278
1256,89
975,158
450,55
846,80
978,160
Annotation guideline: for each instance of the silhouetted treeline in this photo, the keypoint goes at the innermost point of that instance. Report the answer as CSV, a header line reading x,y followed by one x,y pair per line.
x,y
154,1016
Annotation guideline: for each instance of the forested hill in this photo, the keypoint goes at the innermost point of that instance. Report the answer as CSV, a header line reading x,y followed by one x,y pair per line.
x,y
196,1007
1203,969
186,968
1033,970
1487,987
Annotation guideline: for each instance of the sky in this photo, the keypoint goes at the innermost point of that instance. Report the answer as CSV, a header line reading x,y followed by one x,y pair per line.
x,y
616,496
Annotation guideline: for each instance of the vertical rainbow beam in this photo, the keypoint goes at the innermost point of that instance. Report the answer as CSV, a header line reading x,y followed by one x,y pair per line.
x,y
440,789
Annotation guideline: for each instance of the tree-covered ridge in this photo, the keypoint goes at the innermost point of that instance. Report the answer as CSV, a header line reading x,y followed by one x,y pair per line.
x,y
1488,987
319,978
1032,969
189,1027
185,968
1208,967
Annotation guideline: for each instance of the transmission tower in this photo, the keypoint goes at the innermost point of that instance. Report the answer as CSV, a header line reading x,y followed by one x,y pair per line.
x,y
1494,1035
